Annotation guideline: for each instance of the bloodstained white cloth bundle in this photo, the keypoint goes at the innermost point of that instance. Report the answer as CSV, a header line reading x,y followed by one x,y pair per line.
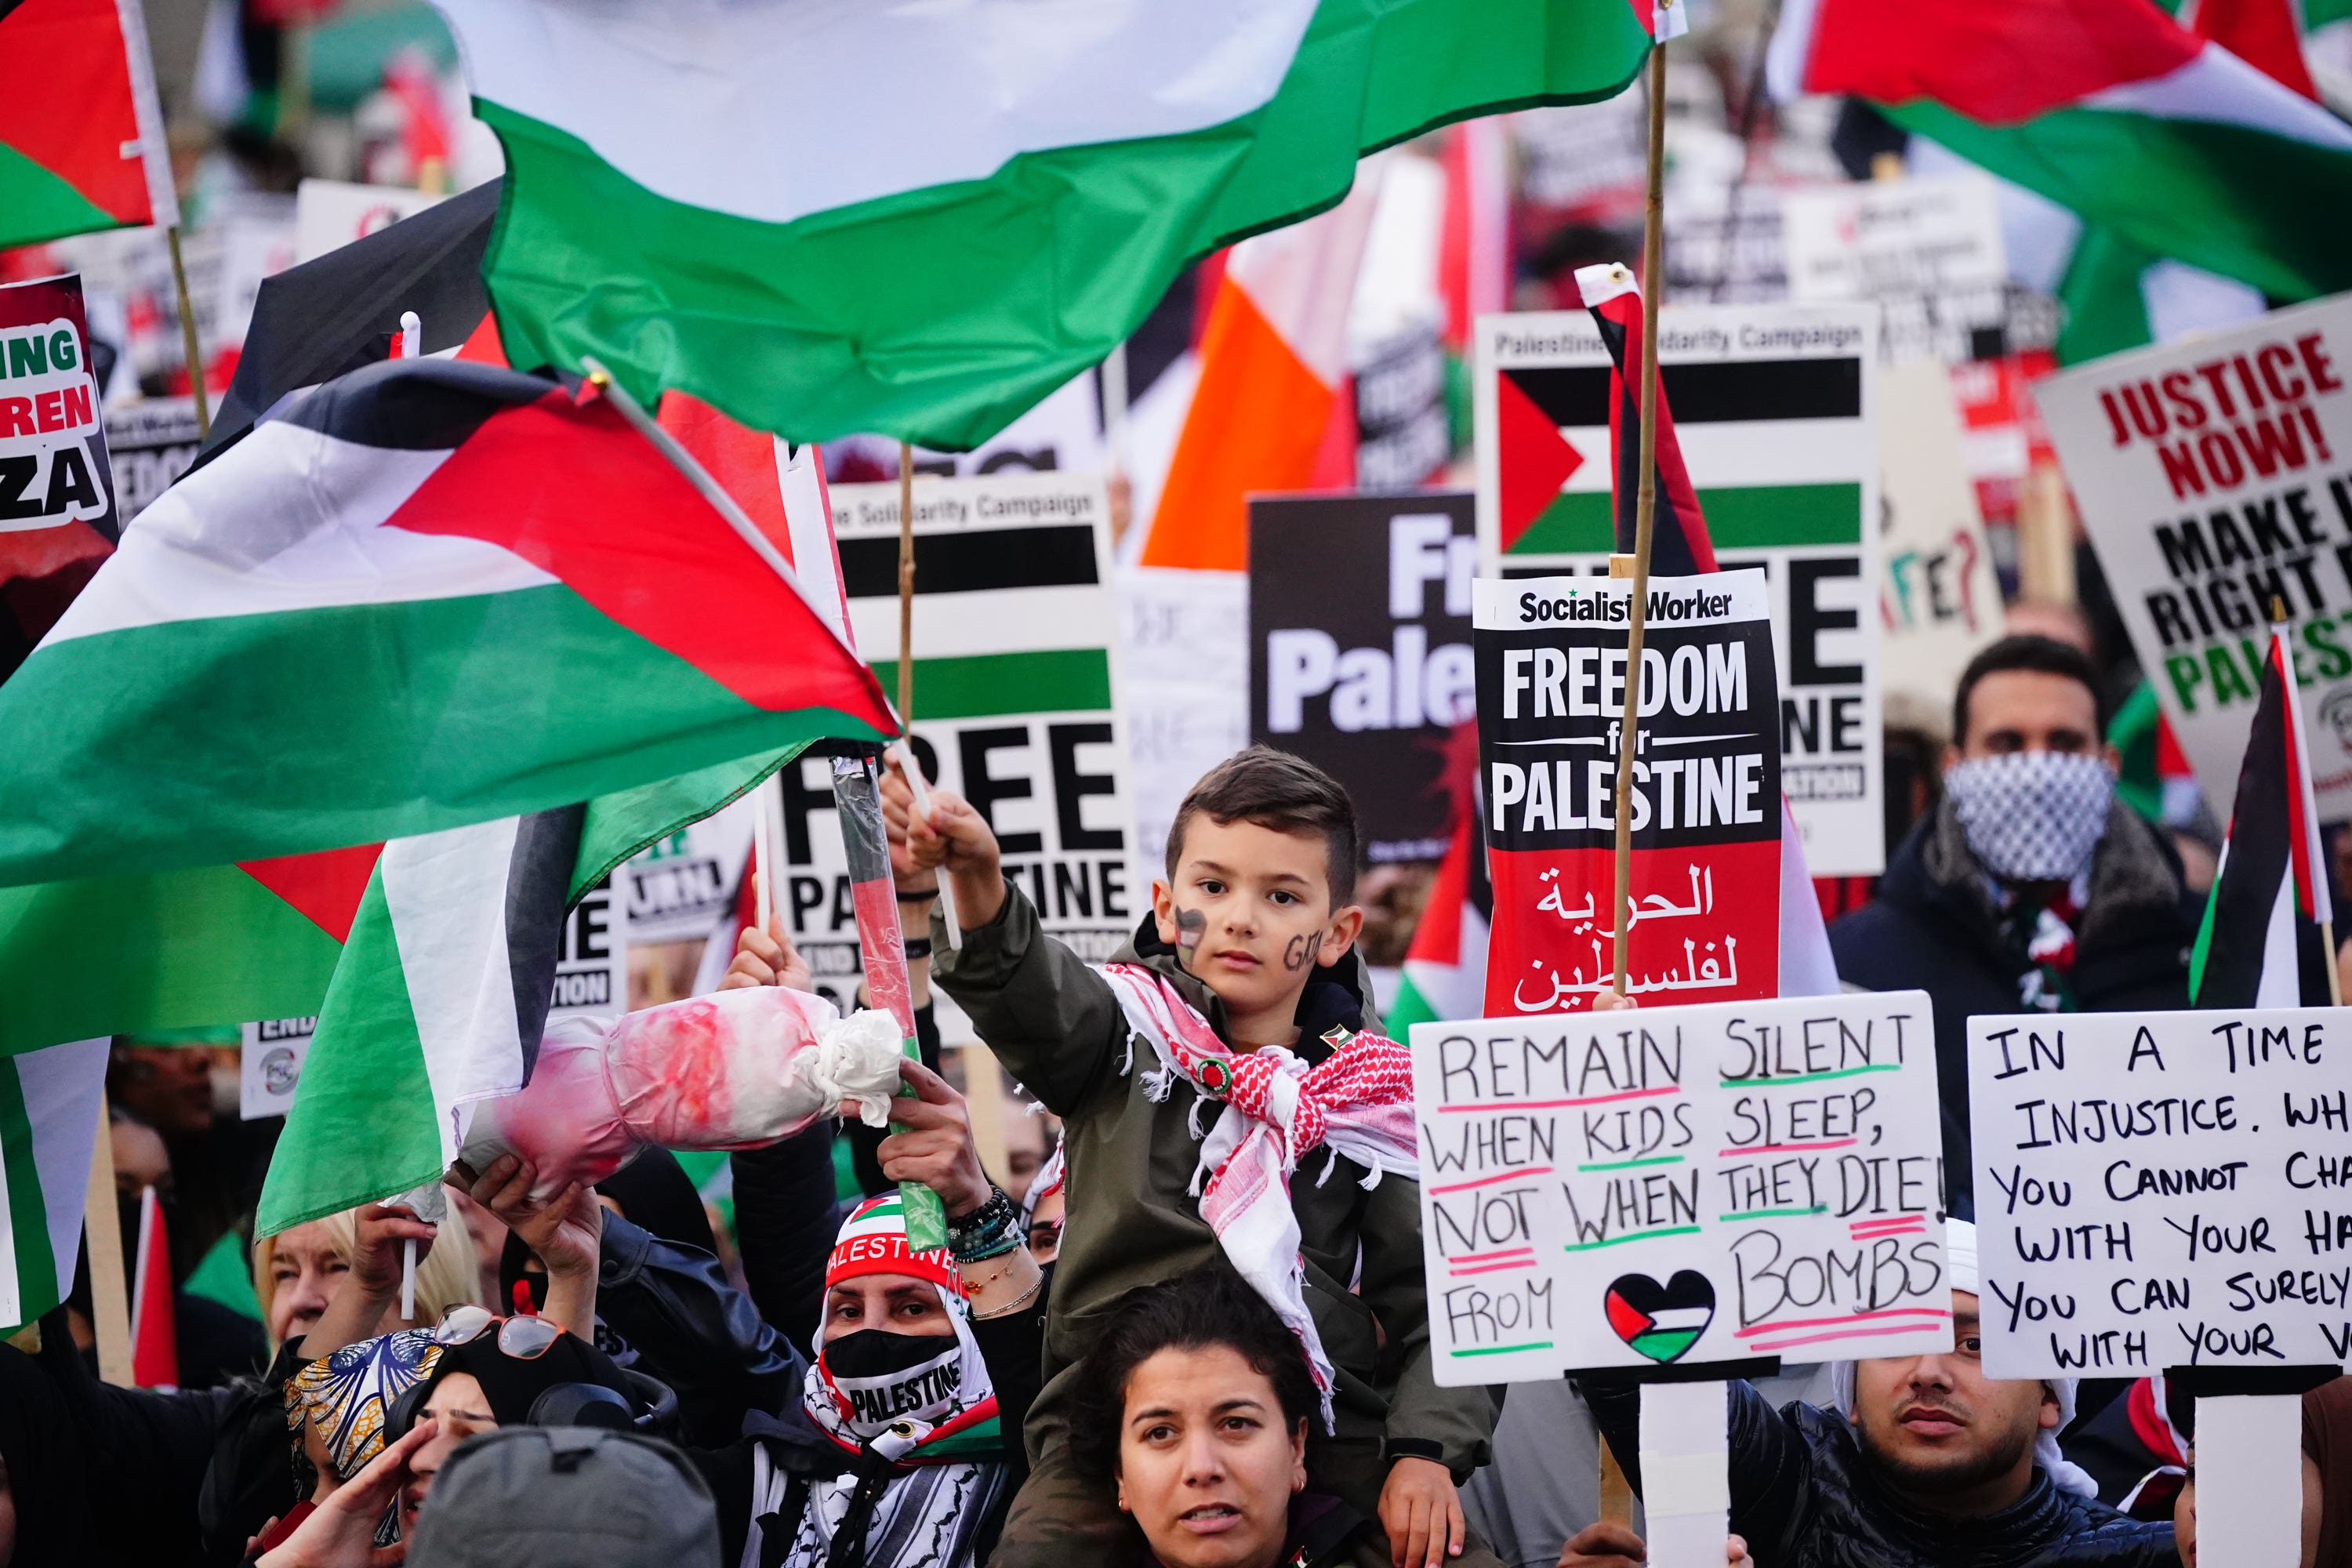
x,y
731,1070
1358,1102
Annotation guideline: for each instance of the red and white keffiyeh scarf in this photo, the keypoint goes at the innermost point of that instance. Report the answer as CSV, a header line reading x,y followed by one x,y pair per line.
x,y
1358,1102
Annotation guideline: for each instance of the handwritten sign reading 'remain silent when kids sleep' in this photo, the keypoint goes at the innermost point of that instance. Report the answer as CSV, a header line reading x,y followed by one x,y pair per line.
x,y
2163,1189
1681,1184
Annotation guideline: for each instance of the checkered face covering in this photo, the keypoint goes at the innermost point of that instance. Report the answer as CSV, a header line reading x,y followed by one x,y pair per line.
x,y
2032,816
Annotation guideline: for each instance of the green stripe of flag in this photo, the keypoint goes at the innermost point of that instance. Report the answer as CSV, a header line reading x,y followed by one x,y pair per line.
x,y
36,204
2265,209
979,686
63,947
29,1212
1739,517
446,678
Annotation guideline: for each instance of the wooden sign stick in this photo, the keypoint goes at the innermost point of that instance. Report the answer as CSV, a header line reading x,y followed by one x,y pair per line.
x,y
109,1291
1616,1495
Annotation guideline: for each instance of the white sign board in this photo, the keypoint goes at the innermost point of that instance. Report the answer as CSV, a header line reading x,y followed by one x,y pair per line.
x,y
1014,671
684,885
331,214
2209,477
592,967
1773,406
2163,1189
1926,249
270,1064
1938,599
1681,1184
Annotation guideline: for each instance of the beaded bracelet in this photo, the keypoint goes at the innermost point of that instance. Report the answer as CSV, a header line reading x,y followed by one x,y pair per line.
x,y
992,1230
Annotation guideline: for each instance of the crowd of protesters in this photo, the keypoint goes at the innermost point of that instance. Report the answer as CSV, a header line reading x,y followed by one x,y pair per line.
x,y
1090,1372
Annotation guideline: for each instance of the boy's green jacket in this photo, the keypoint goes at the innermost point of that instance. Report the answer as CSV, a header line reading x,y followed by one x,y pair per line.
x,y
1056,1026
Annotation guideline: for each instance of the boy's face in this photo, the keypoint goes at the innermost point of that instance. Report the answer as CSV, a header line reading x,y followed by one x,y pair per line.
x,y
1250,912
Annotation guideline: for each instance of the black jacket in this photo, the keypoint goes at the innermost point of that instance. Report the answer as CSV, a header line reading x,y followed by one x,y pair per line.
x,y
1803,1495
1933,927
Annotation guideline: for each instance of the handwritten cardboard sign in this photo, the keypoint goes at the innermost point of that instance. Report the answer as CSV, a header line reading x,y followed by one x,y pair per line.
x,y
1549,655
2163,1189
1681,1184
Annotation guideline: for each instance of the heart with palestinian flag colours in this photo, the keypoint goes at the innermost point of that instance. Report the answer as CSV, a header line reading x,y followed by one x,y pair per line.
x,y
1661,1322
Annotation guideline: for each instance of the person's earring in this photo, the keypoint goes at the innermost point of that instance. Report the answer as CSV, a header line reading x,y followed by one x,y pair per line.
x,y
1122,1498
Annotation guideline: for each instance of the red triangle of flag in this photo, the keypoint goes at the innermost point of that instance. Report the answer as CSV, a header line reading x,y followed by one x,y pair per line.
x,y
1534,457
324,889
155,1342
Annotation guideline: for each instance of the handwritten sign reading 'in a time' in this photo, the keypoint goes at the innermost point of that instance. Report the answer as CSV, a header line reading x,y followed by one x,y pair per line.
x,y
2163,1189
1673,1184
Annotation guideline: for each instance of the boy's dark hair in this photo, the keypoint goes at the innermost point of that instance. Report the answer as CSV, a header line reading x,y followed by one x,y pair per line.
x,y
2046,656
1202,1309
1275,789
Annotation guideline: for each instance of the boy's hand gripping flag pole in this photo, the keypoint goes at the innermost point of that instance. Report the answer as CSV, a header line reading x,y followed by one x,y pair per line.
x,y
1616,1493
916,784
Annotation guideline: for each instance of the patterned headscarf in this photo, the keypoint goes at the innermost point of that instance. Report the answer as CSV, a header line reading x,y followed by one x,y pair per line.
x,y
347,1395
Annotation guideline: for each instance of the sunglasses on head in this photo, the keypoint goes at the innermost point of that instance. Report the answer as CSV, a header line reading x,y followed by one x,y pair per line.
x,y
524,1337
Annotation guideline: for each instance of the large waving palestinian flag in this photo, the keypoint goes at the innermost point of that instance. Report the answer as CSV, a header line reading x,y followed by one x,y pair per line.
x,y
2109,108
2259,945
426,595
81,130
920,220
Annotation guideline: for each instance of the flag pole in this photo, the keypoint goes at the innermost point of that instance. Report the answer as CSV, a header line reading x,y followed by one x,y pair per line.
x,y
188,336
916,784
109,1293
2302,768
1616,1492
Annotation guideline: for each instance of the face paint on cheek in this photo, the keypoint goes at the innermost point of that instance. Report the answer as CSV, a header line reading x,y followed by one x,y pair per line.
x,y
1191,926
1301,951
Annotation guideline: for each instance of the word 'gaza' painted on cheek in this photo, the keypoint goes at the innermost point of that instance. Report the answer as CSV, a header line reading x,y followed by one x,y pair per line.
x,y
1191,926
1302,950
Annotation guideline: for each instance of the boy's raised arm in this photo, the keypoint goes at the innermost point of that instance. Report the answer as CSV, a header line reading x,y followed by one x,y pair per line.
x,y
1050,1019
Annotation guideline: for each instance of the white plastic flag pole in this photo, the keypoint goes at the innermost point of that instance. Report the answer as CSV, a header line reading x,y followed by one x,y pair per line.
x,y
766,889
923,793
412,335
408,1280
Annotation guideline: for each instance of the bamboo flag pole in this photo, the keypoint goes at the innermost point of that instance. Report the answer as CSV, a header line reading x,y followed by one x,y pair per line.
x,y
109,1292
188,336
1616,1494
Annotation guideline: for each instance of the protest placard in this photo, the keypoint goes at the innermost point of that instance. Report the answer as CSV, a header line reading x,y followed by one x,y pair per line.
x,y
151,443
332,213
1939,600
1013,674
1683,1184
1706,908
1360,650
679,888
1773,406
1926,250
269,1064
2207,478
2163,1190
54,471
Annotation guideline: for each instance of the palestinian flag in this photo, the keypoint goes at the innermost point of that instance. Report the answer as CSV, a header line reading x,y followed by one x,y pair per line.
x,y
1551,421
49,1102
176,950
428,595
1678,542
341,311
81,130
719,202
2259,945
2110,109
445,988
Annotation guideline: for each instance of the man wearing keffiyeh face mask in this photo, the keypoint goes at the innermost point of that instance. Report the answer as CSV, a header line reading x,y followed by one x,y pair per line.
x,y
2030,888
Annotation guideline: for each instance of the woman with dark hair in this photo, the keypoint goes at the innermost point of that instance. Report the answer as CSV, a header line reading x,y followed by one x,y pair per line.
x,y
1198,1402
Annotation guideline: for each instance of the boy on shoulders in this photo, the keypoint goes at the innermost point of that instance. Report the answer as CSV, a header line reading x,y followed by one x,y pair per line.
x,y
1232,1039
